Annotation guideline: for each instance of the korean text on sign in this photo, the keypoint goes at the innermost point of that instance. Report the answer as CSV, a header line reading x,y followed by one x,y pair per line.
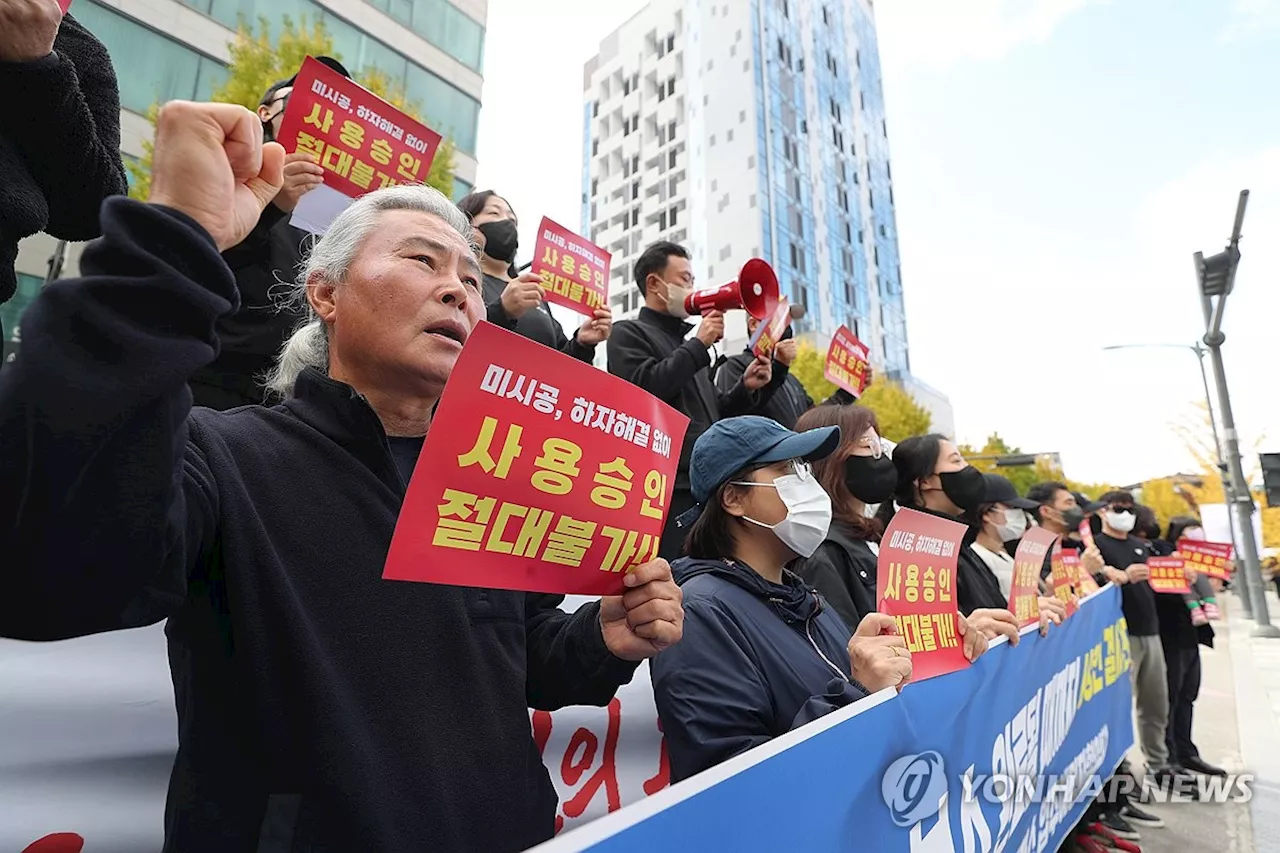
x,y
1167,574
540,473
1062,580
847,362
769,333
362,142
916,585
1084,582
1209,558
574,272
1024,592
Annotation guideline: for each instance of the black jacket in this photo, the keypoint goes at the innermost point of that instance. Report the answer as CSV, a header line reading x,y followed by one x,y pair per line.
x,y
536,324
843,569
757,659
319,706
264,263
785,398
651,352
59,144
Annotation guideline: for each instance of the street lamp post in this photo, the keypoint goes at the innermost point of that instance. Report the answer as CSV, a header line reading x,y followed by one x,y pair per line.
x,y
1216,276
1227,490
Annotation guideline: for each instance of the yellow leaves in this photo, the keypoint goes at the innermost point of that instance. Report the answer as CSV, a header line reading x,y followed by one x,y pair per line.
x,y
899,414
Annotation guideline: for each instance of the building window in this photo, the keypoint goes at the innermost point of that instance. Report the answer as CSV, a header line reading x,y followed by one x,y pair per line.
x,y
710,64
712,142
635,190
825,18
751,161
672,220
671,130
742,116
662,221
671,42
595,109
626,87
751,201
733,50
635,162
595,185
671,86
726,252
728,135
635,217
715,185
672,158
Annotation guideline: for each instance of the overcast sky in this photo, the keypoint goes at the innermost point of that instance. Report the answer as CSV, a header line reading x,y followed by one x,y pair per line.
x,y
1056,163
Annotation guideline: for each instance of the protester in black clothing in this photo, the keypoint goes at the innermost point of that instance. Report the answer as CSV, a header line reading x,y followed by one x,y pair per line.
x,y
320,707
1061,511
1121,550
1181,639
652,352
762,653
513,300
858,476
934,478
60,137
786,398
265,263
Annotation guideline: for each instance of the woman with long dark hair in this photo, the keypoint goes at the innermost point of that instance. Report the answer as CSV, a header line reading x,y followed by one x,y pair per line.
x,y
933,478
514,300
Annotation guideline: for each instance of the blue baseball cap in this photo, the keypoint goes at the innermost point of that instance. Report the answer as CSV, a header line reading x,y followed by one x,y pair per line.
x,y
735,443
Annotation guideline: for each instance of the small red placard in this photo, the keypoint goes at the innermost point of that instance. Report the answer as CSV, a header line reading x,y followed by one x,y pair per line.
x,y
769,333
916,585
1086,534
1024,592
362,142
1167,574
1208,558
574,271
1062,580
540,473
1085,584
847,362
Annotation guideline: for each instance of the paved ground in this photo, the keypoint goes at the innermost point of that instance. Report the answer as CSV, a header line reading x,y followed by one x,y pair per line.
x,y
1236,727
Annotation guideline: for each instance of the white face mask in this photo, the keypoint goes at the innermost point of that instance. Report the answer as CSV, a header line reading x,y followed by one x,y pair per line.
x,y
808,513
1015,524
1195,534
676,294
1121,521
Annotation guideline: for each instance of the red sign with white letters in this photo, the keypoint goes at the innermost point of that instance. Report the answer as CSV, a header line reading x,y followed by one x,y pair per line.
x,y
541,473
362,142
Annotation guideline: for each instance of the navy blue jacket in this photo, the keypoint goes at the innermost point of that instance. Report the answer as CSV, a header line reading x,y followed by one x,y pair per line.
x,y
320,707
757,660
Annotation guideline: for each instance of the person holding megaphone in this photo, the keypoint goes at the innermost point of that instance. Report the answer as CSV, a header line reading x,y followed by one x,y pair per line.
x,y
656,352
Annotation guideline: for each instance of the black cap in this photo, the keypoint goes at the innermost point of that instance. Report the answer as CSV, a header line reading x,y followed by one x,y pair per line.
x,y
1087,506
1001,491
327,61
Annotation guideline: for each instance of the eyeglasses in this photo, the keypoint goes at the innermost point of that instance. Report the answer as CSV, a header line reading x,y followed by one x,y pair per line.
x,y
799,467
874,444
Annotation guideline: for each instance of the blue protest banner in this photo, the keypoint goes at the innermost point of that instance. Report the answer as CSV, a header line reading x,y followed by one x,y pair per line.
x,y
999,756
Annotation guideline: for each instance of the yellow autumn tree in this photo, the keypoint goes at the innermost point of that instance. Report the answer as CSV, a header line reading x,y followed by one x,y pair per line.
x,y
257,62
899,414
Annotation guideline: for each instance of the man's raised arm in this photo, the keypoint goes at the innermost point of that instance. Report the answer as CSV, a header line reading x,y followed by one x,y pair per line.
x,y
103,500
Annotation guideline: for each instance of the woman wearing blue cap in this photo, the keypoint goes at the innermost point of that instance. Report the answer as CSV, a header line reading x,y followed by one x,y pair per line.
x,y
761,653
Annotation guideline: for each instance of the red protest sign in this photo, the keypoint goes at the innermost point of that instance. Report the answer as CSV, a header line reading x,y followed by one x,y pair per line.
x,y
1209,558
1086,534
1085,584
362,141
1062,580
1167,574
64,5
847,362
524,484
916,585
575,272
769,333
1024,592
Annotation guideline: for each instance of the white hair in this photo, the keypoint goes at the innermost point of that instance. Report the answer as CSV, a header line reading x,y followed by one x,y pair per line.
x,y
330,260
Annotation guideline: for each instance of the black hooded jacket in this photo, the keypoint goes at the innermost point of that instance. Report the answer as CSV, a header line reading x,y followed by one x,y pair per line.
x,y
320,707
843,569
785,398
59,144
757,659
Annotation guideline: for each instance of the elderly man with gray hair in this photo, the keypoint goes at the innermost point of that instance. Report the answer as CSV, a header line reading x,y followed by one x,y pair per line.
x,y
320,708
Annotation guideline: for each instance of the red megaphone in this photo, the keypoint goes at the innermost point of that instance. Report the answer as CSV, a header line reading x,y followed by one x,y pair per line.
x,y
755,291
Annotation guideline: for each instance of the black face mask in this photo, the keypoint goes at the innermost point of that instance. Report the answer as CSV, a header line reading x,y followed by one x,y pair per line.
x,y
500,239
1072,518
966,488
870,480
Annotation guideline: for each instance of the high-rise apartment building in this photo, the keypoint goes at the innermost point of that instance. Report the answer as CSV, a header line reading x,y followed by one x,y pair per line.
x,y
178,49
751,128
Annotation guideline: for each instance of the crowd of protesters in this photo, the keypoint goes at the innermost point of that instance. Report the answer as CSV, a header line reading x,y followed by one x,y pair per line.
x,y
323,709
